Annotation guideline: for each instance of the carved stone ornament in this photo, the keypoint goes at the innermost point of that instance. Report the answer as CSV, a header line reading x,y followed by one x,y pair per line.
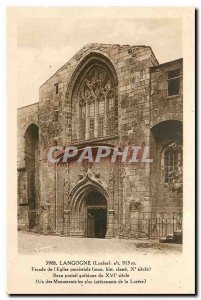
x,y
174,146
80,176
135,205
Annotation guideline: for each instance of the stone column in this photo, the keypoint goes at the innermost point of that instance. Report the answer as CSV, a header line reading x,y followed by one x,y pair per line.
x,y
110,224
111,211
66,227
87,122
77,124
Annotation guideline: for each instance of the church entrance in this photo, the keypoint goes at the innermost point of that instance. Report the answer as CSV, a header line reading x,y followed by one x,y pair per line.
x,y
96,215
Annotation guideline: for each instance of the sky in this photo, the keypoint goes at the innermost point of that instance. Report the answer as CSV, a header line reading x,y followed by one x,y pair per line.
x,y
45,44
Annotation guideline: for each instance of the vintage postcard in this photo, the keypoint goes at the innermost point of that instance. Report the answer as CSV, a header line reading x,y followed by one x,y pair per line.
x,y
101,119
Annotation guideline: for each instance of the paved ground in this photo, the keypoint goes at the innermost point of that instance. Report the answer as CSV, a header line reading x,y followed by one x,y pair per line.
x,y
34,243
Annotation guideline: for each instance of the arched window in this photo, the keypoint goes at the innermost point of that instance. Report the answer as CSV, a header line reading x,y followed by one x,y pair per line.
x,y
96,93
172,163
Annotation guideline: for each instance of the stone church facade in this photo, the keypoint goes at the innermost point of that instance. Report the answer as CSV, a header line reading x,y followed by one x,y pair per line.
x,y
106,95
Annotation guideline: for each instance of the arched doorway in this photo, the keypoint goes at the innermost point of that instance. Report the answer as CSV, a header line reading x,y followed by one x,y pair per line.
x,y
96,207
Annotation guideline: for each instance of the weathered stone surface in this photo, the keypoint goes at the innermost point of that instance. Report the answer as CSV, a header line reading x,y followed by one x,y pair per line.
x,y
140,87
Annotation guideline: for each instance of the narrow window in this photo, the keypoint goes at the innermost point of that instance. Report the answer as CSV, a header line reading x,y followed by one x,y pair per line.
x,y
91,119
82,119
173,82
56,88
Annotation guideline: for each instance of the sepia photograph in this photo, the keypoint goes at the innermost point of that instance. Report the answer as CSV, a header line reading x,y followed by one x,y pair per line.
x,y
100,117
